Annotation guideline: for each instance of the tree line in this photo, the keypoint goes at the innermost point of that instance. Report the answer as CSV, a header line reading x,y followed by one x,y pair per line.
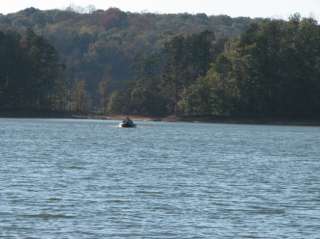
x,y
104,45
271,69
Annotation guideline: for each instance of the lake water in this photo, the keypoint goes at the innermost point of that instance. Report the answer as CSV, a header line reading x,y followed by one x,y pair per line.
x,y
89,179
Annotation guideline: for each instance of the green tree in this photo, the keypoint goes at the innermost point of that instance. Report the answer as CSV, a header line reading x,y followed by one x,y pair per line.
x,y
30,72
103,93
80,97
118,103
187,58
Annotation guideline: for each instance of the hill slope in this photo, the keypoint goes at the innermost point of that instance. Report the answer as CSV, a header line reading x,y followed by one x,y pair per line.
x,y
104,45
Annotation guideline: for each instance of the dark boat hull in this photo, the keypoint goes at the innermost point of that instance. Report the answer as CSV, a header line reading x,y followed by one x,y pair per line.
x,y
123,125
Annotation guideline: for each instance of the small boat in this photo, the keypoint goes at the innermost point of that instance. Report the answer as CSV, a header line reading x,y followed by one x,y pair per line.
x,y
127,123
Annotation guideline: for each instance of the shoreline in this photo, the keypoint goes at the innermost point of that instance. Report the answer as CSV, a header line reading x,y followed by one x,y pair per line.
x,y
228,120
189,119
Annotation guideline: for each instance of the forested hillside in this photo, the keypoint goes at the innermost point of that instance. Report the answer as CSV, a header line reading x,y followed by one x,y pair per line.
x,y
271,70
101,48
113,62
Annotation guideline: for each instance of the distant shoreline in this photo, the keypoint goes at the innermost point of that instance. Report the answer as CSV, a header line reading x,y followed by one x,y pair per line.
x,y
225,120
190,119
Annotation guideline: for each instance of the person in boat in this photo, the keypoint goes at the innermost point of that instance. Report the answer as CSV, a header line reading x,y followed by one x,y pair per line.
x,y
128,121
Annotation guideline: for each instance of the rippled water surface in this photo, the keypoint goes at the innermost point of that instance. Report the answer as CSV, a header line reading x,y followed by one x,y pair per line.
x,y
89,179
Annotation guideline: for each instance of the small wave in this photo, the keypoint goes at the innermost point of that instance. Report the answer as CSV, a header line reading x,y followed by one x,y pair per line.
x,y
76,167
262,210
118,201
155,193
258,210
48,216
53,199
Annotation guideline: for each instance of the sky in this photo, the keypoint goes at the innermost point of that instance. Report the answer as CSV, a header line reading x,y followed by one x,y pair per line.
x,y
234,8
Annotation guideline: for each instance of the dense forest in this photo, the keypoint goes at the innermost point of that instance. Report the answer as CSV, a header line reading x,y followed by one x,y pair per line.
x,y
114,62
31,76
